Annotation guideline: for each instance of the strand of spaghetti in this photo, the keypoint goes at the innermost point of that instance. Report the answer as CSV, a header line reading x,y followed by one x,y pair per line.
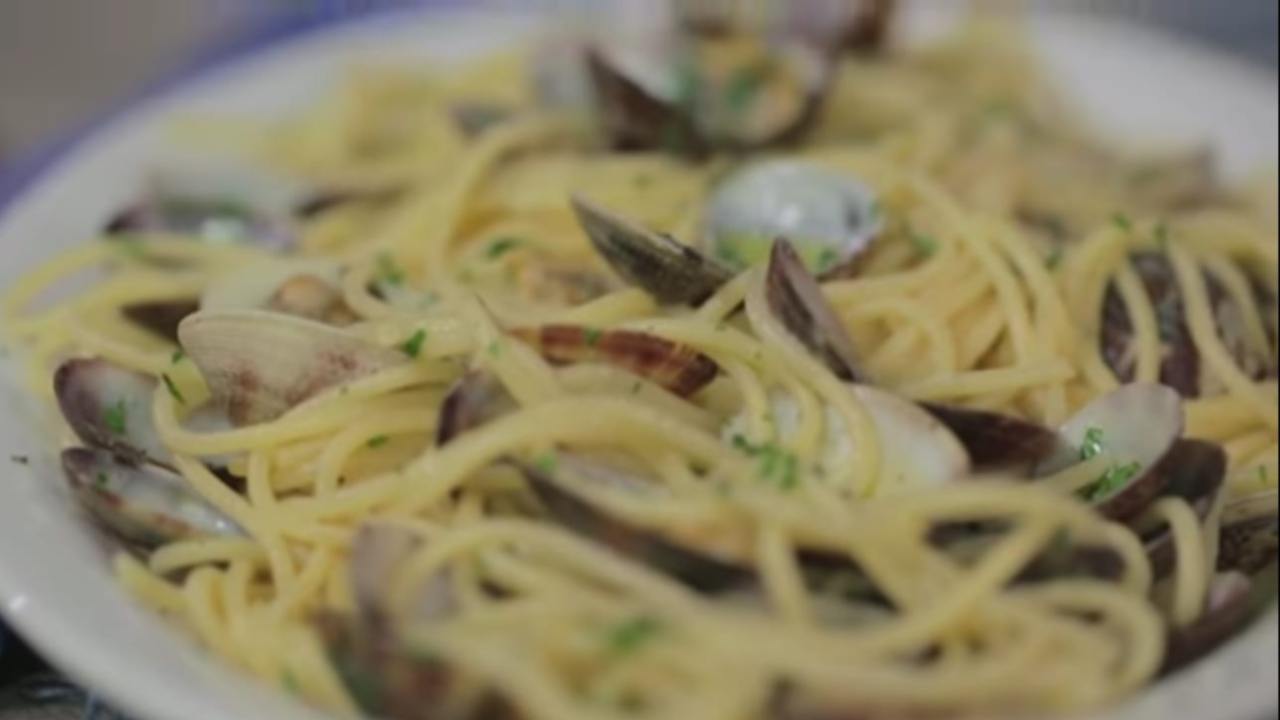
x,y
781,577
995,380
1203,331
366,430
1248,311
148,588
201,551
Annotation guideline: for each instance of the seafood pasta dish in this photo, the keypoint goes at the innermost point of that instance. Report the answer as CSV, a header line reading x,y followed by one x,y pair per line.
x,y
758,368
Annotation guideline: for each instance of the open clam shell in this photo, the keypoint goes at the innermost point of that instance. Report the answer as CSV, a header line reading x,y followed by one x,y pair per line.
x,y
475,399
673,273
1195,471
110,407
796,299
1180,367
1234,600
141,503
377,551
701,568
677,367
260,364
830,218
161,317
994,440
1134,426
1250,533
389,679
919,451
303,287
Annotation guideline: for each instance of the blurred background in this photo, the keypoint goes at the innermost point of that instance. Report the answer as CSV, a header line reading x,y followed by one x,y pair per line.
x,y
63,61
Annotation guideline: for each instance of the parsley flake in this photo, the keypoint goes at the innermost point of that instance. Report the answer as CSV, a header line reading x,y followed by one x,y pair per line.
x,y
502,246
1162,235
629,637
173,389
776,465
388,272
413,346
1122,221
101,477
1113,479
178,356
495,349
1055,257
290,683
378,441
546,462
592,336
826,259
1093,444
925,244
116,417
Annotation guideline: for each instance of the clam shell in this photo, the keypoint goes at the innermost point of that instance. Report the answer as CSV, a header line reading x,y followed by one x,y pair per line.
x,y
1250,533
994,440
110,407
475,399
142,504
796,299
1138,423
259,364
377,551
673,273
1234,600
677,367
919,451
253,287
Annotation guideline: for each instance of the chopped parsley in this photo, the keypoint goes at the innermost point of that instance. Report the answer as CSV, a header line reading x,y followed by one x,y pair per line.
x,y
413,346
1093,445
1113,479
495,349
925,244
626,638
776,465
1162,235
101,477
636,387
388,272
744,85
378,441
131,246
178,356
546,462
1055,257
827,259
501,246
116,418
1122,221
592,336
173,389
290,683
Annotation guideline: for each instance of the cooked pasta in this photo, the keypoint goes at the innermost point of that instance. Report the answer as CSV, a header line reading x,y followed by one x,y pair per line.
x,y
446,455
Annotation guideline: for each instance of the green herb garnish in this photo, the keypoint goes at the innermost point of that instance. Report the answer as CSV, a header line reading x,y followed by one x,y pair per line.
x,y
776,465
1122,221
116,417
744,85
628,637
177,357
388,272
1162,235
173,389
495,349
290,683
413,346
592,336
1113,479
826,259
1093,445
102,479
502,246
925,244
546,462
1055,257
378,441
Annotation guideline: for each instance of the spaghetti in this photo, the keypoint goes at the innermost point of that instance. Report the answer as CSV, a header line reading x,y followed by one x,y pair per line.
x,y
499,506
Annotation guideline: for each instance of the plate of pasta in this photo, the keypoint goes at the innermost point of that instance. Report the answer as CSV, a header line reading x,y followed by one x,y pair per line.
x,y
795,361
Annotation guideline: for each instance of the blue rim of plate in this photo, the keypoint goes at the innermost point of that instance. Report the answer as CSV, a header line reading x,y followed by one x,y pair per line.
x,y
27,168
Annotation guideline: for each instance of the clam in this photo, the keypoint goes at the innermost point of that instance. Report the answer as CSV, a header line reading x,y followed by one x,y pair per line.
x,y
1180,366
211,204
161,317
797,301
110,407
694,97
994,440
674,273
305,288
1194,470
829,217
1234,600
564,492
475,399
1134,426
677,367
260,364
1249,533
390,679
377,551
141,503
1258,361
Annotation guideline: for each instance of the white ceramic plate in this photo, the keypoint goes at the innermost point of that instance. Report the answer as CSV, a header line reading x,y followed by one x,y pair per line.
x,y
54,585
